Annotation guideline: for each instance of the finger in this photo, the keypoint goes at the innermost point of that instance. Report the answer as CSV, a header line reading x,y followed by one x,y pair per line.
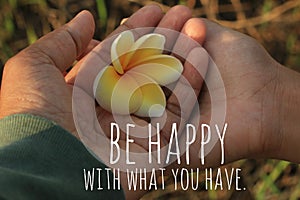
x,y
148,16
62,46
93,43
195,30
174,20
71,75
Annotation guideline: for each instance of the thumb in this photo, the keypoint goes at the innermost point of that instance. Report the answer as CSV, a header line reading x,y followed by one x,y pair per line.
x,y
32,80
60,47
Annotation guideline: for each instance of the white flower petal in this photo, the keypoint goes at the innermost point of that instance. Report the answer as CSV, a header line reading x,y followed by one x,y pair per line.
x,y
103,86
145,46
154,101
150,41
126,97
164,69
120,47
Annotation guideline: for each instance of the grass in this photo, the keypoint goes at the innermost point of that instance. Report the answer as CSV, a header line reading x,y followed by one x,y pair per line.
x,y
102,12
264,179
269,180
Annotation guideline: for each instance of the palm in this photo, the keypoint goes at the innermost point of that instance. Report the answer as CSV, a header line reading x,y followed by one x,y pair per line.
x,y
105,118
249,78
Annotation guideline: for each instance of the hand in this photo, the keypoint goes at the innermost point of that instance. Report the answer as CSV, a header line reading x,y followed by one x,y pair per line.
x,y
177,19
33,80
258,90
250,77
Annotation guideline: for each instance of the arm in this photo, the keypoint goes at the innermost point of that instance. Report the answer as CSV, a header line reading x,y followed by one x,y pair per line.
x,y
38,159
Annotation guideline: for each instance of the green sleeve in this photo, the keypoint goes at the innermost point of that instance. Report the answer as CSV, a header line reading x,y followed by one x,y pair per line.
x,y
41,160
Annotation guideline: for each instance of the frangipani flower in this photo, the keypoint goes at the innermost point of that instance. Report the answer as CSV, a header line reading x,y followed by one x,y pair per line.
x,y
131,84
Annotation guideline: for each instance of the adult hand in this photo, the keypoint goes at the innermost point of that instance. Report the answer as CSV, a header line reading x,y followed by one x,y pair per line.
x,y
176,19
250,78
261,100
33,80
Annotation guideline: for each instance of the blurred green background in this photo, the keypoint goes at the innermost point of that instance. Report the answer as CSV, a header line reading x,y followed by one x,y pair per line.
x,y
275,24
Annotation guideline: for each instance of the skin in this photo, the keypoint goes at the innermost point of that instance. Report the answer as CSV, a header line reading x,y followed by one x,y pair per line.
x,y
260,124
261,97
